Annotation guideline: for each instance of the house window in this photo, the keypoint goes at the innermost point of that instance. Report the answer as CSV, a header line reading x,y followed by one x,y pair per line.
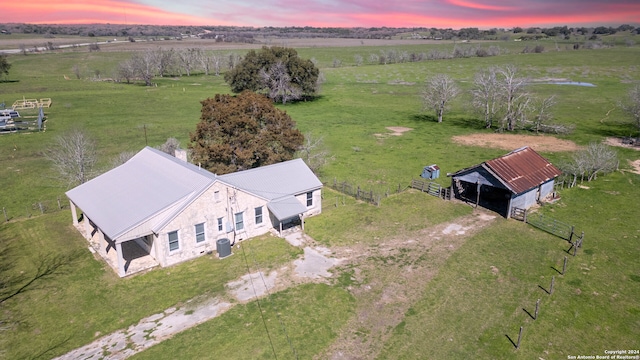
x,y
174,244
310,198
259,215
220,228
239,221
199,232
216,195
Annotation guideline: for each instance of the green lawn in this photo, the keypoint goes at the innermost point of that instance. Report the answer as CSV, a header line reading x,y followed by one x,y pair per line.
x,y
467,310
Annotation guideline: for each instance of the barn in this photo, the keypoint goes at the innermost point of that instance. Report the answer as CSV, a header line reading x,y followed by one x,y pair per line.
x,y
518,179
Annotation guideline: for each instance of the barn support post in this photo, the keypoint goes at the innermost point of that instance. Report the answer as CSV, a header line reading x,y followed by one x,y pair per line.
x,y
87,228
74,212
121,270
478,193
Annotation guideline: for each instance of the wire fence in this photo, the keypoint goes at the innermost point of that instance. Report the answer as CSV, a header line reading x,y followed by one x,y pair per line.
x,y
370,194
16,212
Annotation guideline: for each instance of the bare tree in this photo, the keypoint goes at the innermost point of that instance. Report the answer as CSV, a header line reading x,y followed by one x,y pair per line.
x,y
438,92
515,98
122,158
170,146
127,70
73,156
188,58
632,106
278,83
145,66
596,159
486,95
358,59
542,113
313,152
76,71
164,60
233,60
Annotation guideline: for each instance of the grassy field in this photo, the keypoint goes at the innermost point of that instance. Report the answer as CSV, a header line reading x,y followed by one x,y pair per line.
x,y
466,310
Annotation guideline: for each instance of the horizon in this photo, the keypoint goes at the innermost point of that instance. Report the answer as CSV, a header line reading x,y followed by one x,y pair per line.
x,y
454,14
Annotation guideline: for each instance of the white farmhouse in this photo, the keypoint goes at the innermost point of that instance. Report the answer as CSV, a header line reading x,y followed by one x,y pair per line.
x,y
158,210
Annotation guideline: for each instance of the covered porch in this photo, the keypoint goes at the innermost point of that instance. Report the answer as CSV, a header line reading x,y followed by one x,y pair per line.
x,y
287,213
125,257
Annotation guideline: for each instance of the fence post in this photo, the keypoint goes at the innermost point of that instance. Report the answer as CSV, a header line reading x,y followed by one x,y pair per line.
x,y
59,205
4,210
41,207
580,240
519,337
399,187
553,279
535,315
358,193
571,235
564,266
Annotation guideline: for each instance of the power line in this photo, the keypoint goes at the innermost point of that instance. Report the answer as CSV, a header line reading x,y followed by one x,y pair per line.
x,y
258,301
284,328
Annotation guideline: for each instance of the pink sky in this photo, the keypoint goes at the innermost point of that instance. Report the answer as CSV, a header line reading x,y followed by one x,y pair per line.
x,y
328,13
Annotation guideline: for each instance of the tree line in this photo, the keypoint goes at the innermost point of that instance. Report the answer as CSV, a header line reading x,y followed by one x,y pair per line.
x,y
249,32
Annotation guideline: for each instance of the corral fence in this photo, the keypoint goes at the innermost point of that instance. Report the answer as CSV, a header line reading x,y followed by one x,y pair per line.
x,y
432,188
550,225
39,207
370,195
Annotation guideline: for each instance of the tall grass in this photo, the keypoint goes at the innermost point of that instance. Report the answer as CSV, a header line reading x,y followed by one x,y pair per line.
x,y
465,303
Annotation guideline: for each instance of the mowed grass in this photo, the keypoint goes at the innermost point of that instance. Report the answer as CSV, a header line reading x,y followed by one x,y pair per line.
x,y
478,300
356,103
292,324
86,299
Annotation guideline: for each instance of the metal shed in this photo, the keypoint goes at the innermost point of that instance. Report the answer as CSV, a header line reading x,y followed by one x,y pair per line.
x,y
431,172
518,179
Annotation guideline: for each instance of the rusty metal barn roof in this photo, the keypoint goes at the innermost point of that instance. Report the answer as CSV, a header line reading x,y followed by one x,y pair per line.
x,y
522,169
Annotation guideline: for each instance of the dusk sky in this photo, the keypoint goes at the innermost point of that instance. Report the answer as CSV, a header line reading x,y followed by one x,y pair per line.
x,y
455,14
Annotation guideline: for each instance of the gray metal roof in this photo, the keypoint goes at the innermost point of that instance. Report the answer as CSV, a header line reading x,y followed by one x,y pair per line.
x,y
275,181
141,196
286,207
131,194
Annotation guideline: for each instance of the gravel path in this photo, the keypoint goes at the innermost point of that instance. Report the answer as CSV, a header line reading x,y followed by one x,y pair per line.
x,y
314,265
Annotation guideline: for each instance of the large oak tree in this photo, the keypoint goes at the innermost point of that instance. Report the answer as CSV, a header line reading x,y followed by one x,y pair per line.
x,y
276,70
242,132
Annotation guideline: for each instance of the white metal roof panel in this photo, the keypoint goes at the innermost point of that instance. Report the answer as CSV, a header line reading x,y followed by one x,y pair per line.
x,y
286,208
275,181
123,198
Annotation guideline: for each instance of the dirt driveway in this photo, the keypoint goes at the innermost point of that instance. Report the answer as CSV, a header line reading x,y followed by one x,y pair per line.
x,y
397,269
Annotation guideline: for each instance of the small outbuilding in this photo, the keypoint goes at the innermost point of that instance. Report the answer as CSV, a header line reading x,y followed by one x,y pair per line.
x,y
431,172
518,179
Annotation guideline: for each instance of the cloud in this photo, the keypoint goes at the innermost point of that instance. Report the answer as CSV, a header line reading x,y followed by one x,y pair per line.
x,y
329,13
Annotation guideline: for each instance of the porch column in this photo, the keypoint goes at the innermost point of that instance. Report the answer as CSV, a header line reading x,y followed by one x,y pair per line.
x,y
87,227
121,271
73,212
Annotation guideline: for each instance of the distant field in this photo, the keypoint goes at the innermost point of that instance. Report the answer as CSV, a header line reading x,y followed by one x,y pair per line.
x,y
463,308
